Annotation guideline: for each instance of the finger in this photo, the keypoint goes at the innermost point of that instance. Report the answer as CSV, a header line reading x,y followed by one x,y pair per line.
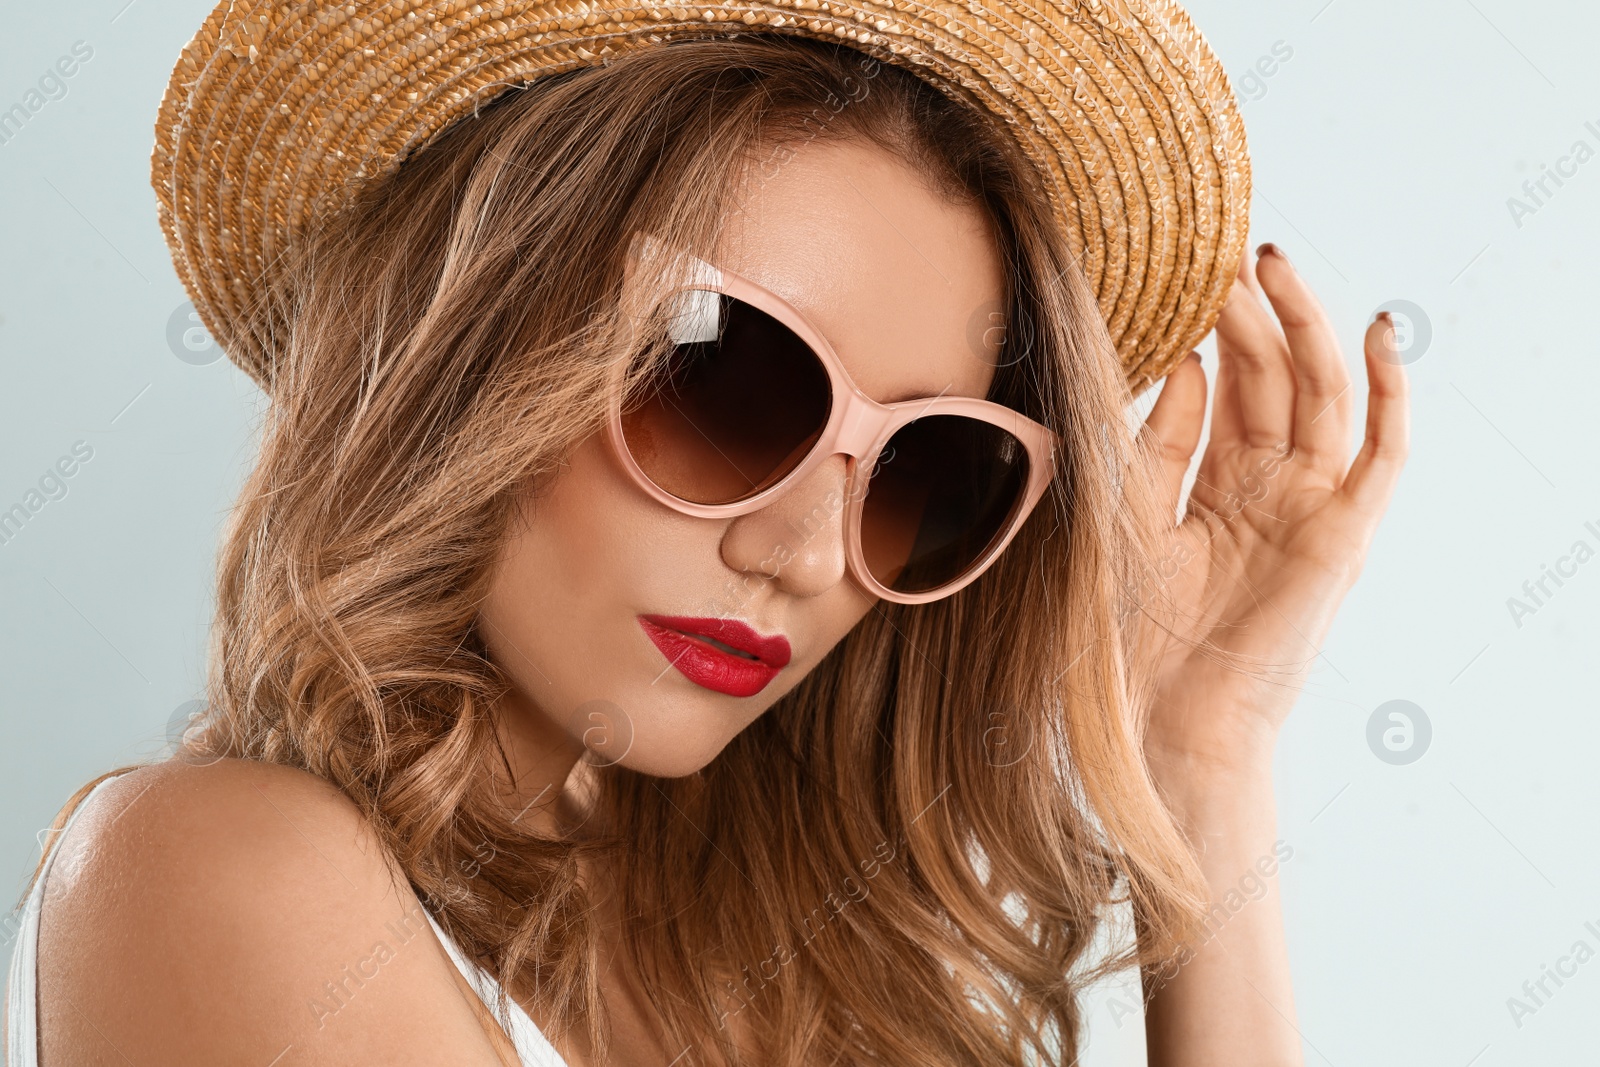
x,y
1372,477
1173,426
1261,380
1247,272
1227,421
1322,381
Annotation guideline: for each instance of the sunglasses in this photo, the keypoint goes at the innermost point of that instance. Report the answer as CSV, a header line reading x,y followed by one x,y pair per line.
x,y
750,398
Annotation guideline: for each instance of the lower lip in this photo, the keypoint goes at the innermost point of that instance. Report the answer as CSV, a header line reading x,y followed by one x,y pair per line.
x,y
710,667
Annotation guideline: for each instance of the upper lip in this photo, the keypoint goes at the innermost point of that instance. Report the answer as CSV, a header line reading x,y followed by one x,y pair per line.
x,y
772,651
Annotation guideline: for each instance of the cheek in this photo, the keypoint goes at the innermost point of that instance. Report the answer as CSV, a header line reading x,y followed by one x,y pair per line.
x,y
590,525
589,553
587,542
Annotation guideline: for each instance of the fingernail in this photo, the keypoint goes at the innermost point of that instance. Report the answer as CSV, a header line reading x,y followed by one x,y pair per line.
x,y
1385,318
1270,249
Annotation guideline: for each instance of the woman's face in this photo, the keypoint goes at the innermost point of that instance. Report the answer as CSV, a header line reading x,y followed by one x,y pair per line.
x,y
901,282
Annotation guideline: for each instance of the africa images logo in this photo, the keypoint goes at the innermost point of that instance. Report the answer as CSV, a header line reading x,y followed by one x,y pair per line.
x,y
1537,592
52,485
1399,732
51,86
1538,192
188,338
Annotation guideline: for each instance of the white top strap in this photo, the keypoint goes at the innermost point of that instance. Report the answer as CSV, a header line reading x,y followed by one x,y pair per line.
x,y
533,1048
22,990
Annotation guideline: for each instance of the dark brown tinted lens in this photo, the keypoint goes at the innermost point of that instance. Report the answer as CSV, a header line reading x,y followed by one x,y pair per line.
x,y
942,491
739,404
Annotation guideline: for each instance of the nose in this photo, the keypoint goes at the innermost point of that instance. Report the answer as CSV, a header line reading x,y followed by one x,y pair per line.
x,y
796,541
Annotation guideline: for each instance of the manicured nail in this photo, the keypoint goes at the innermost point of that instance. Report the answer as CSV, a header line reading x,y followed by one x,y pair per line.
x,y
1270,249
1385,318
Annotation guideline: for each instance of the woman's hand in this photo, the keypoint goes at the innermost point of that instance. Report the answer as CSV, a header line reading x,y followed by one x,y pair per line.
x,y
1276,530
1278,521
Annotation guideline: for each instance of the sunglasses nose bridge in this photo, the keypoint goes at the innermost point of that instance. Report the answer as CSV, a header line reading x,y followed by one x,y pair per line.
x,y
859,426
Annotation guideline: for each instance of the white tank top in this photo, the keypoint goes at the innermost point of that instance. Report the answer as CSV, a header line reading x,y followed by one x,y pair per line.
x,y
22,1003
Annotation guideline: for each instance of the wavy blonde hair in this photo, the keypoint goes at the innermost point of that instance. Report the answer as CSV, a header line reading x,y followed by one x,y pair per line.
x,y
954,796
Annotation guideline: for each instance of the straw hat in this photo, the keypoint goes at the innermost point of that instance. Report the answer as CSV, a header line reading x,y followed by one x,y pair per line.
x,y
276,110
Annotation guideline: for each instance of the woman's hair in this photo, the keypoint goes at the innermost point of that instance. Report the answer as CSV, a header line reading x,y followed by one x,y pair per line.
x,y
906,858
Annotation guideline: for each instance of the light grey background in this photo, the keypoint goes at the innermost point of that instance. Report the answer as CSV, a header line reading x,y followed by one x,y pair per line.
x,y
1387,144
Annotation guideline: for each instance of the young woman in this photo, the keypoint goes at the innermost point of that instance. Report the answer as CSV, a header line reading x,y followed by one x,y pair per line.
x,y
701,600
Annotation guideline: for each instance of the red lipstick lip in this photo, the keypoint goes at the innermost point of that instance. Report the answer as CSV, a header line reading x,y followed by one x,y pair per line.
x,y
771,651
683,641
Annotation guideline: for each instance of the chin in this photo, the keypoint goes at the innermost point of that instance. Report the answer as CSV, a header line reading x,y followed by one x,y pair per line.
x,y
672,764
672,757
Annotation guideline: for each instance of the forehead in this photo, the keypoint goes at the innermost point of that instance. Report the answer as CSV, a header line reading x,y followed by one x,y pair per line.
x,y
903,283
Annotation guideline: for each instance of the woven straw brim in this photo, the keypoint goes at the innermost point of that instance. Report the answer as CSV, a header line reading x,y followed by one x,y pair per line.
x,y
276,111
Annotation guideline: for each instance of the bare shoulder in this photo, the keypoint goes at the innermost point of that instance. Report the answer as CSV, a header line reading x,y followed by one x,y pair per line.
x,y
239,912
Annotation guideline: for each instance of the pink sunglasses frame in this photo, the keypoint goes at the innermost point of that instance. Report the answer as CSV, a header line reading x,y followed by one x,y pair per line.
x,y
858,427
